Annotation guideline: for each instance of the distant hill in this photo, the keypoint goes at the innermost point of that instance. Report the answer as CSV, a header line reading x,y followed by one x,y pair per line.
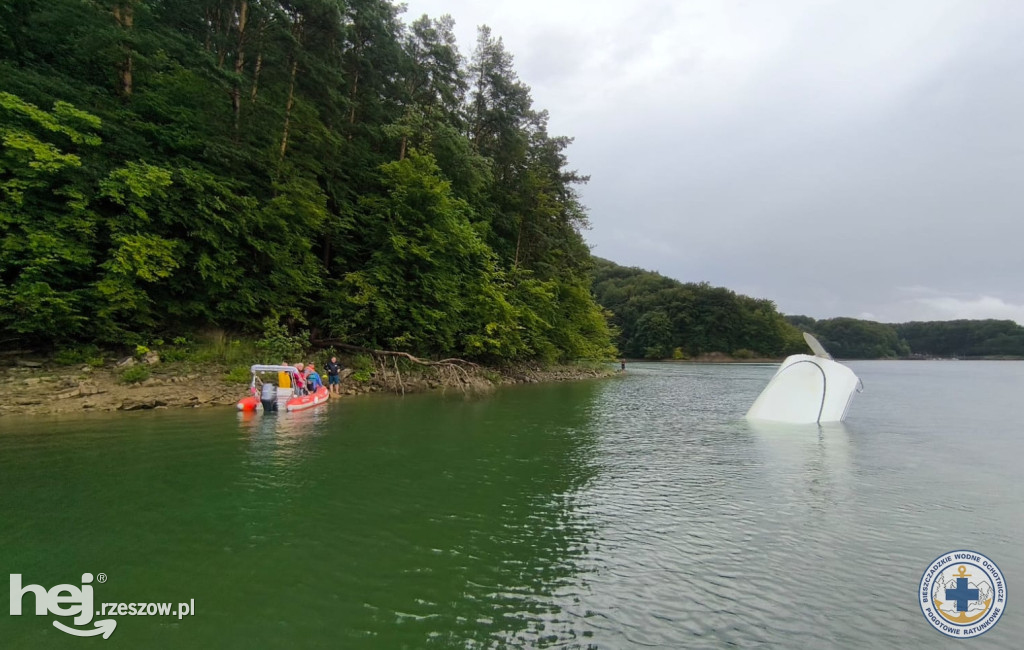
x,y
658,317
852,338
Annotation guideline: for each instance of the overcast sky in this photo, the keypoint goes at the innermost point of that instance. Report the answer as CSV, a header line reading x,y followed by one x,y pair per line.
x,y
851,158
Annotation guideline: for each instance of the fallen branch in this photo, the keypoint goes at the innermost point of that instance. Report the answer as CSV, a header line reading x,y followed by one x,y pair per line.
x,y
393,353
450,371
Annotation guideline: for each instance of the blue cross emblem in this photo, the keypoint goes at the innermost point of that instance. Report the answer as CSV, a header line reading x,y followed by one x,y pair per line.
x,y
961,594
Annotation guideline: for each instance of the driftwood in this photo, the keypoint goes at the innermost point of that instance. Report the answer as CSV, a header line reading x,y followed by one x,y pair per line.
x,y
451,371
393,353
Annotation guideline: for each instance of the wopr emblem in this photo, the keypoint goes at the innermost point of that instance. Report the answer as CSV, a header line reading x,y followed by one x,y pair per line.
x,y
962,594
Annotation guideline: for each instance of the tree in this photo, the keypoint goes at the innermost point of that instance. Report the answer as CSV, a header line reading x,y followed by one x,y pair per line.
x,y
45,229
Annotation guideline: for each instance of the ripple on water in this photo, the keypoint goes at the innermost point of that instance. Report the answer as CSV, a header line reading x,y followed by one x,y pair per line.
x,y
635,512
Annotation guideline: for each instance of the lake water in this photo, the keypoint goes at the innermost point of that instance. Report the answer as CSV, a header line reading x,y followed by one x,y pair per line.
x,y
637,511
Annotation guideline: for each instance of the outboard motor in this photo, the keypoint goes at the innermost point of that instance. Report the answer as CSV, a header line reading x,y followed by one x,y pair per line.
x,y
269,398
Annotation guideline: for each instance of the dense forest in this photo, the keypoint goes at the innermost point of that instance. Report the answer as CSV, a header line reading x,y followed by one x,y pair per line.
x,y
658,317
169,165
852,338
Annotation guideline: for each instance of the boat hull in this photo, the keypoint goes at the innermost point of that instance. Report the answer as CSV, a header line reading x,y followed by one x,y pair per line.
x,y
301,402
806,390
247,404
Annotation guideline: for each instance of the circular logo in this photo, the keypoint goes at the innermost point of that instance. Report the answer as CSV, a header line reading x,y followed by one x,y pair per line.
x,y
962,594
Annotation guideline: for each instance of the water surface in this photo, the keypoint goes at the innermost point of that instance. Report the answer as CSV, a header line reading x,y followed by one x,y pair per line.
x,y
639,511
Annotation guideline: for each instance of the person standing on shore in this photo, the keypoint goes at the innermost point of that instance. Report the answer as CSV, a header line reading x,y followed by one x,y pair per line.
x,y
334,376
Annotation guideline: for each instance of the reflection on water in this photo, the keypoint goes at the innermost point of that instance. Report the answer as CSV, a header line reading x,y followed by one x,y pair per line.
x,y
281,437
640,511
815,456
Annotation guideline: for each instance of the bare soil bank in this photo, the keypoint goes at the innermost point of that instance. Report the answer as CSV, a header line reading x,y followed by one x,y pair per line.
x,y
38,387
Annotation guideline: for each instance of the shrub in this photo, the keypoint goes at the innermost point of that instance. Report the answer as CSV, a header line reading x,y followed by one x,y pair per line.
x,y
362,362
239,374
135,374
362,375
743,353
277,344
170,355
73,356
141,351
654,352
231,353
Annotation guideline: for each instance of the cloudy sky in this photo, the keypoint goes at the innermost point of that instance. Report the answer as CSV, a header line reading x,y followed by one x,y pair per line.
x,y
840,158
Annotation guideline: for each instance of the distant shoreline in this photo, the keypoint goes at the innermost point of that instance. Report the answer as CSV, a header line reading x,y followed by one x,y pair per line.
x,y
762,360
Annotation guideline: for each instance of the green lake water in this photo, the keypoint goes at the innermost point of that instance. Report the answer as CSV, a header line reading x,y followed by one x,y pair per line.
x,y
637,511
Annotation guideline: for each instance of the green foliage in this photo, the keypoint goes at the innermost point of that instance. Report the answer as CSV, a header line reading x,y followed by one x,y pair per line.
x,y
239,374
854,338
82,354
320,163
850,338
656,316
362,376
362,368
362,362
45,231
964,338
654,334
134,374
141,351
744,353
224,351
278,345
174,354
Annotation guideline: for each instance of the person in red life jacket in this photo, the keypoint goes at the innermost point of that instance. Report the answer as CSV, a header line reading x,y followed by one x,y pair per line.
x,y
313,381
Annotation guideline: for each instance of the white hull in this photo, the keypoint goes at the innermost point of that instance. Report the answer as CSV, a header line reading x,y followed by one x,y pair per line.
x,y
805,390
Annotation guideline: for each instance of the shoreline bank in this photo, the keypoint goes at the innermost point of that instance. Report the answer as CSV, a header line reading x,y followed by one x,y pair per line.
x,y
41,388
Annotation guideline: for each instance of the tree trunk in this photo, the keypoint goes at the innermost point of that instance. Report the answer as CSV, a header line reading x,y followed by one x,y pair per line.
x,y
288,108
256,77
207,43
519,240
125,17
352,101
236,91
327,253
401,153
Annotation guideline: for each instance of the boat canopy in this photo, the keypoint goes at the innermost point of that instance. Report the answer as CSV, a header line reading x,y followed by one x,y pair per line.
x,y
291,370
258,368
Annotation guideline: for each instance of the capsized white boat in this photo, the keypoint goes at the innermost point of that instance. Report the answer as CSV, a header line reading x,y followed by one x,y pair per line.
x,y
807,389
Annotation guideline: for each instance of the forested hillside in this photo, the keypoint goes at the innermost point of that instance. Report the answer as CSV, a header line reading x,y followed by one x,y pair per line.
x,y
852,338
658,317
175,164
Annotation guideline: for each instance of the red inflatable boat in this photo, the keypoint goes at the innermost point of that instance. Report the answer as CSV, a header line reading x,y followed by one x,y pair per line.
x,y
306,401
268,398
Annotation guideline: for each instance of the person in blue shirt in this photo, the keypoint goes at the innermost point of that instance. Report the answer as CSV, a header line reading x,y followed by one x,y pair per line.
x,y
313,381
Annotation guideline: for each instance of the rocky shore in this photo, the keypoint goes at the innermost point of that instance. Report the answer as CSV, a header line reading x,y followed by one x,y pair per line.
x,y
36,386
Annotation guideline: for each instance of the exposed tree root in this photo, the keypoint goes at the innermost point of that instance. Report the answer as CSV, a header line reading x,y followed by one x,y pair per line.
x,y
451,372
